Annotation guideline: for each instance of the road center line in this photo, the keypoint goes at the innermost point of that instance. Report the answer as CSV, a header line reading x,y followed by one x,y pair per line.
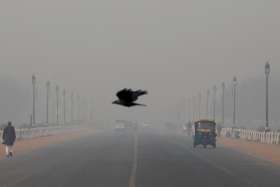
x,y
132,177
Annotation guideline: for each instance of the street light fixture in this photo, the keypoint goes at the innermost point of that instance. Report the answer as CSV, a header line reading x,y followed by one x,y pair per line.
x,y
267,73
267,69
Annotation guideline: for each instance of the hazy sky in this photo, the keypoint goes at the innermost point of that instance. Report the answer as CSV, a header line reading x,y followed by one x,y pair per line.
x,y
172,48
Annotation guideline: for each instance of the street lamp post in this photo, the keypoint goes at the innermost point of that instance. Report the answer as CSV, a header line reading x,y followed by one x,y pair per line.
x,y
189,110
234,99
214,102
72,107
92,110
78,108
64,106
194,108
223,102
92,113
267,73
207,103
57,104
34,100
48,84
199,106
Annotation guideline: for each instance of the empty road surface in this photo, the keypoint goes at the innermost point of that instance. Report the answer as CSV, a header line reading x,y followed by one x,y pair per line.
x,y
144,159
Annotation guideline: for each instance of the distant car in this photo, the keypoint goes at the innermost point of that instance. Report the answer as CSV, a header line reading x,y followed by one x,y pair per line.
x,y
119,127
146,125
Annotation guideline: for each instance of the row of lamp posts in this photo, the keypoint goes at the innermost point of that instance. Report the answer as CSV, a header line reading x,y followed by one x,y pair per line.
x,y
58,104
192,107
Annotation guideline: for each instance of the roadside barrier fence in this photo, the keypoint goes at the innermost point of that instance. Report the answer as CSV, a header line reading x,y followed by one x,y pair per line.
x,y
252,135
28,133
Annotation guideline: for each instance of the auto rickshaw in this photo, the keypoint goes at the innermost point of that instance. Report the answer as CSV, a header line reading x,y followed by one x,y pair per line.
x,y
204,133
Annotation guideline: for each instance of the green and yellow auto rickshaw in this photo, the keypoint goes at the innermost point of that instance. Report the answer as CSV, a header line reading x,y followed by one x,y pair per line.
x,y
204,133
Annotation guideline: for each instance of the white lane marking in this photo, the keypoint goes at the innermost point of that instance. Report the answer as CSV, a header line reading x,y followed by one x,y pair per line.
x,y
132,177
19,181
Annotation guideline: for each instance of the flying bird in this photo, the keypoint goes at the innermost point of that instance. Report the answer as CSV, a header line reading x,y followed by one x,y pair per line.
x,y
127,97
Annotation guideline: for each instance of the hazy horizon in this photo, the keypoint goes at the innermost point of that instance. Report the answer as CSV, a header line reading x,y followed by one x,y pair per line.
x,y
172,49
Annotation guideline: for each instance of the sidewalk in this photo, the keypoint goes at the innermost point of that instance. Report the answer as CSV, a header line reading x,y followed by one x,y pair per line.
x,y
26,145
268,152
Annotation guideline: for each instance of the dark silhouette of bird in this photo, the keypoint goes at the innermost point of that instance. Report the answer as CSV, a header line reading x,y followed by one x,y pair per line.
x,y
127,97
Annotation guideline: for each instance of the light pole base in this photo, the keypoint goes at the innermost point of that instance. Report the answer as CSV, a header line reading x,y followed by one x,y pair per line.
x,y
267,129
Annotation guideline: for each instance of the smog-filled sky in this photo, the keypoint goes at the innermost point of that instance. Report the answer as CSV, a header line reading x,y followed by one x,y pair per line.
x,y
171,48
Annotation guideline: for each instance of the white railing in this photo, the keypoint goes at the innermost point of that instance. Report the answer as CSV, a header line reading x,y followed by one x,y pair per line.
x,y
252,135
28,133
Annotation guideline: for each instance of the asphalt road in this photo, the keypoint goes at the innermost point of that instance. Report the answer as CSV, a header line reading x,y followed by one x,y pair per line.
x,y
124,159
